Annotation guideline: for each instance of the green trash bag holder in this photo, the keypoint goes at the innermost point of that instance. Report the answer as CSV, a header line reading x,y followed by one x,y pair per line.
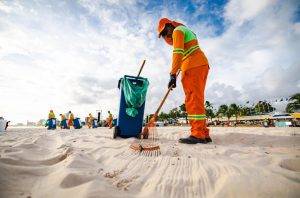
x,y
128,126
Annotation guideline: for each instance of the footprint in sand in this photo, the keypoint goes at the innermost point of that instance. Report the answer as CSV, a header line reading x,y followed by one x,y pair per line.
x,y
291,164
112,174
122,183
48,162
11,150
125,183
72,180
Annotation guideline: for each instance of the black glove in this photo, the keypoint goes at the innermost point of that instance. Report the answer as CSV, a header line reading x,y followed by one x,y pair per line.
x,y
172,82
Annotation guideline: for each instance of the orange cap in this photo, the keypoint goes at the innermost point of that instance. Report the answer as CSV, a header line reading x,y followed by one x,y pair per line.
x,y
161,25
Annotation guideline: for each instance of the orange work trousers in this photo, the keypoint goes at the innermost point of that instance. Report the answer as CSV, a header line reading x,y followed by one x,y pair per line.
x,y
193,82
70,122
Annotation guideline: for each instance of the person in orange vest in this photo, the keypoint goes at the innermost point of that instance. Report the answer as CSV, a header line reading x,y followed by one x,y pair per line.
x,y
90,120
71,119
189,58
110,120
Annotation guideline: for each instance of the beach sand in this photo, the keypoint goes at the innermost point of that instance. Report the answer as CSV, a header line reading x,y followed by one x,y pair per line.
x,y
241,162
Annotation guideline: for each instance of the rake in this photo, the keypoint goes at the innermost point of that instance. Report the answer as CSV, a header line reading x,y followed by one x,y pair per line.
x,y
148,144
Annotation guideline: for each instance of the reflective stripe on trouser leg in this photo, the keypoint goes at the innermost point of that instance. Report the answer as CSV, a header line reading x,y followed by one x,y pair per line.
x,y
193,82
197,117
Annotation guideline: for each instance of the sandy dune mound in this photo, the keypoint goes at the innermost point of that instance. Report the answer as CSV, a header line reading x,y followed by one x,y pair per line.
x,y
242,162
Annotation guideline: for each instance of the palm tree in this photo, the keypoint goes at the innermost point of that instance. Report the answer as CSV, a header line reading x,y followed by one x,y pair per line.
x,y
294,104
163,116
208,104
263,107
209,110
245,111
223,109
174,113
183,110
234,110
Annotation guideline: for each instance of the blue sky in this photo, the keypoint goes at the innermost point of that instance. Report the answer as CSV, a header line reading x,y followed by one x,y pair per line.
x,y
69,55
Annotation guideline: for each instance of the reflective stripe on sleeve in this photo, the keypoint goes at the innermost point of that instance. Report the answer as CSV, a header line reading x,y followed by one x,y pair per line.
x,y
190,51
178,51
197,117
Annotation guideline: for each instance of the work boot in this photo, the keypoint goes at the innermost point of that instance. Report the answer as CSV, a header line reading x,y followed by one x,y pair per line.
x,y
192,140
208,139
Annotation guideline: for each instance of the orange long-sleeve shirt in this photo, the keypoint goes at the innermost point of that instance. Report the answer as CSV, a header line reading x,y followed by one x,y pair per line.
x,y
186,51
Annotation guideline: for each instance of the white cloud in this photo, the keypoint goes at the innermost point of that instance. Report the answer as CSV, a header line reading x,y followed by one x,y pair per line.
x,y
219,91
238,12
256,54
4,8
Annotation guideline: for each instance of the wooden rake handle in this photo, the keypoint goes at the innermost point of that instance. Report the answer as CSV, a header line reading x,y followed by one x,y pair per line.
x,y
164,99
141,68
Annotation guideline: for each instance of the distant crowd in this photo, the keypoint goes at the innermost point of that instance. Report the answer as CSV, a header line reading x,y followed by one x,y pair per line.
x,y
68,120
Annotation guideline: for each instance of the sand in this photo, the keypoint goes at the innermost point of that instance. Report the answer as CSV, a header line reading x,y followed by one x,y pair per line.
x,y
242,162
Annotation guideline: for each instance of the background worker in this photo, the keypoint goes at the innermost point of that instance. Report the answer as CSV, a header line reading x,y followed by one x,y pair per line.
x,y
63,122
51,115
188,57
71,119
7,123
51,122
109,120
90,120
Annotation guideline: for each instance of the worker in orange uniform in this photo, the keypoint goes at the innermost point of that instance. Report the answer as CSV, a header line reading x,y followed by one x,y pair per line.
x,y
90,120
110,120
188,57
71,119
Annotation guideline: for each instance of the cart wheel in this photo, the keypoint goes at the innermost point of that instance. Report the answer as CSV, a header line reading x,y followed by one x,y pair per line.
x,y
116,132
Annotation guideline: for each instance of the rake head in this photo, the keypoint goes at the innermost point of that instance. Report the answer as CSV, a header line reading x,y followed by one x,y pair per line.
x,y
146,149
150,124
148,145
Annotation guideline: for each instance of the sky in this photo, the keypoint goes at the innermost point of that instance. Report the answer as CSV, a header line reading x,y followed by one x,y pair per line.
x,y
69,55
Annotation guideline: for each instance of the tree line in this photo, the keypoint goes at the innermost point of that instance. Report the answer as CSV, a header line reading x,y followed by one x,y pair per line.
x,y
234,110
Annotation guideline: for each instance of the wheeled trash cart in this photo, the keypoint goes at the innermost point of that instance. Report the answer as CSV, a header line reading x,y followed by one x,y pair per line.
x,y
51,124
132,104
